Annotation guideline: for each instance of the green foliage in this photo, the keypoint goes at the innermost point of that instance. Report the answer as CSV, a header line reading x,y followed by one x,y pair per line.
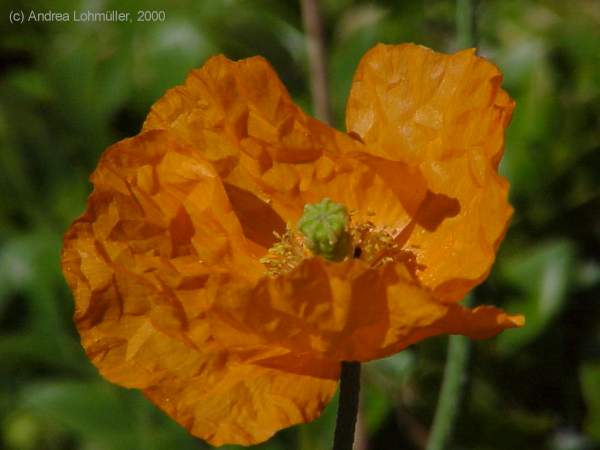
x,y
540,278
590,385
71,89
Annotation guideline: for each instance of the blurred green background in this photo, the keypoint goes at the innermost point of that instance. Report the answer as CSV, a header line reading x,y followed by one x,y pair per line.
x,y
68,90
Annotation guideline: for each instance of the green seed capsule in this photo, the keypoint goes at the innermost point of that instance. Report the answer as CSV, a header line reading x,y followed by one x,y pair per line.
x,y
324,226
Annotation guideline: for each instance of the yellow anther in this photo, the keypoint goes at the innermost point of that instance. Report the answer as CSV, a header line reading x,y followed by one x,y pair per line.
x,y
370,243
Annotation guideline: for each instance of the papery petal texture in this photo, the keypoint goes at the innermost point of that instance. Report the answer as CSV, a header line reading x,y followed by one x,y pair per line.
x,y
446,115
347,311
172,296
272,157
146,262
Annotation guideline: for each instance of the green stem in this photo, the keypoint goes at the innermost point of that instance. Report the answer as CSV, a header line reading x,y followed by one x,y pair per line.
x,y
453,390
347,406
459,347
466,23
317,59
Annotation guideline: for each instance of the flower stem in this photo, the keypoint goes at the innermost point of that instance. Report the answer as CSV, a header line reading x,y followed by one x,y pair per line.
x,y
459,347
317,61
347,406
453,390
466,23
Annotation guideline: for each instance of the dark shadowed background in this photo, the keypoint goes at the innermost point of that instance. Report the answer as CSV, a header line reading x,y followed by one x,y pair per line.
x,y
67,90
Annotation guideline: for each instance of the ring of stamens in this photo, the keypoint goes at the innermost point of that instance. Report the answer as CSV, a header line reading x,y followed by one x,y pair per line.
x,y
372,244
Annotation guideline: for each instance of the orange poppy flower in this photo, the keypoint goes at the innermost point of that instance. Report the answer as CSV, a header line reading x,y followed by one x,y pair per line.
x,y
184,291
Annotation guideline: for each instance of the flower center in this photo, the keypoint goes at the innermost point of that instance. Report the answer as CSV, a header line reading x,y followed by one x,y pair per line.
x,y
324,226
327,229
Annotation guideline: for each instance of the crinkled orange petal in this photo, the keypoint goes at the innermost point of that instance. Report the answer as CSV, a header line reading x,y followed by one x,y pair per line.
x,y
249,402
170,295
146,262
446,115
346,311
272,157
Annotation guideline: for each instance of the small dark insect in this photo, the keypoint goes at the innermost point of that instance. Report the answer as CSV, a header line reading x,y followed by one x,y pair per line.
x,y
357,252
